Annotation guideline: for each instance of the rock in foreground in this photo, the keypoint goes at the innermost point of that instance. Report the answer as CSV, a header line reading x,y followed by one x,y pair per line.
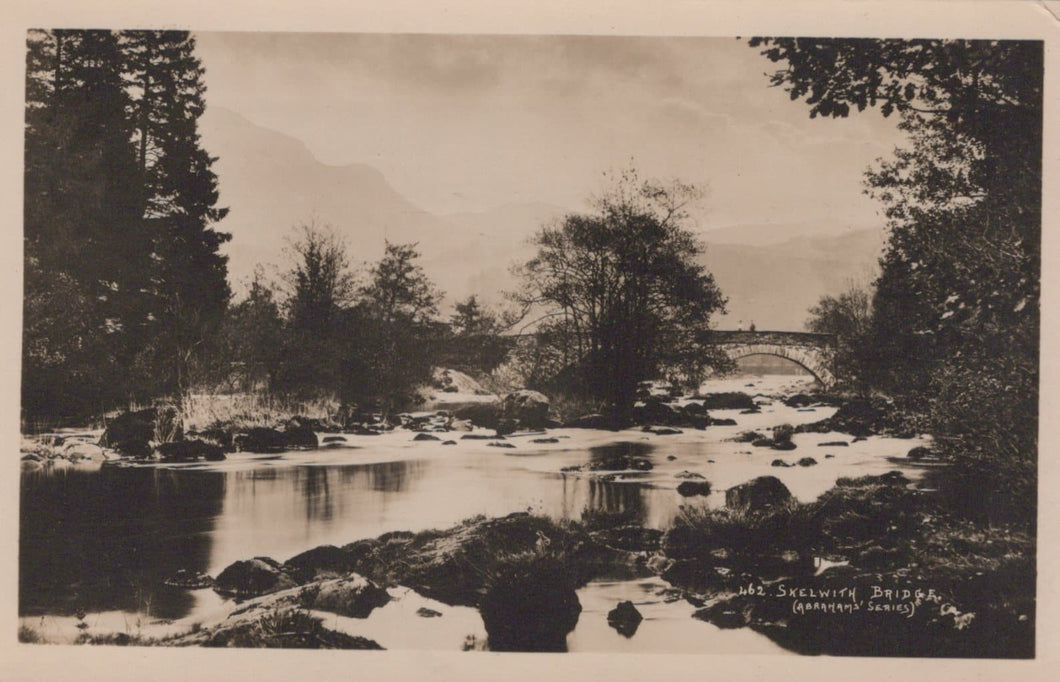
x,y
252,578
761,493
530,605
625,618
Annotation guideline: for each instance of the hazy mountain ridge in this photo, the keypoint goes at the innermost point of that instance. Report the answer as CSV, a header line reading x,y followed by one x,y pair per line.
x,y
272,182
775,286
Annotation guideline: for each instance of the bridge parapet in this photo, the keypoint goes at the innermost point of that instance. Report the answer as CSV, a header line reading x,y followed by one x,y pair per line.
x,y
772,338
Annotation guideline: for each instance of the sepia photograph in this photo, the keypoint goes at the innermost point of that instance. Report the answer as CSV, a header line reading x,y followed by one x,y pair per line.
x,y
542,342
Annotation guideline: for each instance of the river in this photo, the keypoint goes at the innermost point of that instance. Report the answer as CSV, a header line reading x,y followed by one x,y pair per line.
x,y
102,539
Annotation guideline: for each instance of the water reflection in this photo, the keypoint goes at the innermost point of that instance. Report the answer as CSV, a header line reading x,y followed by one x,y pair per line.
x,y
588,493
390,477
313,482
617,498
106,539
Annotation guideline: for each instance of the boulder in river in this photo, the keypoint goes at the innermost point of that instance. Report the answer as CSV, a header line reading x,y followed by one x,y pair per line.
x,y
78,450
530,604
189,580
322,561
353,596
190,451
859,418
655,410
625,618
761,493
694,409
131,433
483,414
261,439
507,426
728,401
693,488
747,437
301,437
920,452
799,400
783,433
251,578
528,408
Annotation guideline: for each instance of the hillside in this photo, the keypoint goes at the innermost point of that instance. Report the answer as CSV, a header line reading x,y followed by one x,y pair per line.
x,y
771,273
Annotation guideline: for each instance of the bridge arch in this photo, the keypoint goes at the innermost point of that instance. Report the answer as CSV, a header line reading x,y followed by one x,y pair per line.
x,y
813,352
807,359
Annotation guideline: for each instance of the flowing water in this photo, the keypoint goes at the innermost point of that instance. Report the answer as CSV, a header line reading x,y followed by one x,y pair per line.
x,y
103,539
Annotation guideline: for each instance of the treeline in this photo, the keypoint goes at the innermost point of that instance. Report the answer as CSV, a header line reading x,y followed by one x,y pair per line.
x,y
124,286
126,295
951,326
369,339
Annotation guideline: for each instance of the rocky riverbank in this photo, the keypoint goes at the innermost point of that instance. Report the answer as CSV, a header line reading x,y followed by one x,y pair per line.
x,y
876,565
169,434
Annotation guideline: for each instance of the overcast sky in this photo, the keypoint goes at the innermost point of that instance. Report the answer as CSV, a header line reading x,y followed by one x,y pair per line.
x,y
467,123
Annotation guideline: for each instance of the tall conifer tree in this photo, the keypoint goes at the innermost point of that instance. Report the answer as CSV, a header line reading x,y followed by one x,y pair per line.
x,y
180,200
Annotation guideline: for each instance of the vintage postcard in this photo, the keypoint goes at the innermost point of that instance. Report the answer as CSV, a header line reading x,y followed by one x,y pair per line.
x,y
567,339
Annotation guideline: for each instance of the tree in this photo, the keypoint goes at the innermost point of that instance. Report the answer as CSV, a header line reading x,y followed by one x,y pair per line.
x,y
476,344
254,333
471,319
394,329
320,287
849,317
181,196
621,290
119,204
85,252
956,311
320,283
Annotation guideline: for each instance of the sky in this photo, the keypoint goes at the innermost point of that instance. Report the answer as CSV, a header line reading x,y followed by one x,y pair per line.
x,y
467,123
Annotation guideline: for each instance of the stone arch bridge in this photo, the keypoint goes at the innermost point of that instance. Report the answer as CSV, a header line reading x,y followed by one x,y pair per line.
x,y
813,352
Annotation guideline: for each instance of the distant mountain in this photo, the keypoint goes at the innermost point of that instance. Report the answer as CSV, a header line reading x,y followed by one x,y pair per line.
x,y
771,234
272,183
774,286
772,274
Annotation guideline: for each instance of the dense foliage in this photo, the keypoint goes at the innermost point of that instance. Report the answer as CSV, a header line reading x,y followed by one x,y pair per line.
x,y
393,330
318,333
849,317
124,284
955,317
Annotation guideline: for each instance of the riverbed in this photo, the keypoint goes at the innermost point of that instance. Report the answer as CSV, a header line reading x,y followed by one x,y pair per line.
x,y
98,541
